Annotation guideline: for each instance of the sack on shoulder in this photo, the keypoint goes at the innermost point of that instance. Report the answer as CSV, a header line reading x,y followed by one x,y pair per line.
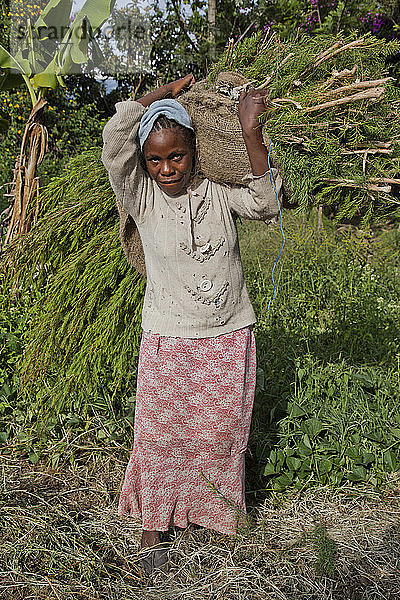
x,y
221,151
220,145
131,241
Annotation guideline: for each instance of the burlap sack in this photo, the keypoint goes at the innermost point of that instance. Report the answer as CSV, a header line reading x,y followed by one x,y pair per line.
x,y
130,241
222,153
221,148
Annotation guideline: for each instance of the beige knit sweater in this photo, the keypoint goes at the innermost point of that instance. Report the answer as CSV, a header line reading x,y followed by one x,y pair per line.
x,y
195,284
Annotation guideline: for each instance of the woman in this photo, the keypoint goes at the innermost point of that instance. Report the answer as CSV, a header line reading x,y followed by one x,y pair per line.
x,y
197,361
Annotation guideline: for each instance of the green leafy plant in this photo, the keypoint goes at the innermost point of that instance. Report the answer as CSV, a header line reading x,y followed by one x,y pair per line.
x,y
40,63
328,371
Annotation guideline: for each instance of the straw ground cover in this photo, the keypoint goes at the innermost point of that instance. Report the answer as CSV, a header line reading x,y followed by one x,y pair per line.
x,y
61,539
327,350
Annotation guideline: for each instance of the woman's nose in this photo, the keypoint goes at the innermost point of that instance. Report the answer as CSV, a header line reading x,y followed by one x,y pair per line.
x,y
167,168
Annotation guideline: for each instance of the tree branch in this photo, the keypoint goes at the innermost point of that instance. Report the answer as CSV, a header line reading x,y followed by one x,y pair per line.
x,y
183,26
373,93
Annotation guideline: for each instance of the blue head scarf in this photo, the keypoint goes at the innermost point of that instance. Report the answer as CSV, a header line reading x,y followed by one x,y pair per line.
x,y
170,108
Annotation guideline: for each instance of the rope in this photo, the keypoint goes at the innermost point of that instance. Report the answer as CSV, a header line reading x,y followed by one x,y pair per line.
x,y
281,225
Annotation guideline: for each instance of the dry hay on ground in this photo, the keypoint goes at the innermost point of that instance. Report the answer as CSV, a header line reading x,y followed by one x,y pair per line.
x,y
61,539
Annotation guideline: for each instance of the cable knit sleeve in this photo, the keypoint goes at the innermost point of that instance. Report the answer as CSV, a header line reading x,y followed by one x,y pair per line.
x,y
258,199
131,184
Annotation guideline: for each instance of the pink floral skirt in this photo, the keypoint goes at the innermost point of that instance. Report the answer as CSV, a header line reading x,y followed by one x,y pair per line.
x,y
194,401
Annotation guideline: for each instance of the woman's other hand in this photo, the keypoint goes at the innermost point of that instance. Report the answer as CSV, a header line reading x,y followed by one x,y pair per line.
x,y
251,106
180,84
169,90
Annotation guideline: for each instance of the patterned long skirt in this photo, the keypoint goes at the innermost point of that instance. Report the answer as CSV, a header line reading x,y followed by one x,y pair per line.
x,y
194,401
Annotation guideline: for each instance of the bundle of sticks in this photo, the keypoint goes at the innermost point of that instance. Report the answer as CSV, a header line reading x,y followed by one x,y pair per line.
x,y
332,114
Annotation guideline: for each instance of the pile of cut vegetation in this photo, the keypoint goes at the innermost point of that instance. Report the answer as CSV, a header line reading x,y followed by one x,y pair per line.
x,y
332,116
79,299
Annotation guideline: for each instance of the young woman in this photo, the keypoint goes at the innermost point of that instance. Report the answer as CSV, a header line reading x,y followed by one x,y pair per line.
x,y
197,361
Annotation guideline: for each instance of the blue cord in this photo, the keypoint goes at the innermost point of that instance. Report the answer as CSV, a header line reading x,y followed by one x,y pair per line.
x,y
281,224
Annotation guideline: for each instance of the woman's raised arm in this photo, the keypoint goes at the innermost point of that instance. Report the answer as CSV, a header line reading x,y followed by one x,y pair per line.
x,y
169,90
120,155
251,106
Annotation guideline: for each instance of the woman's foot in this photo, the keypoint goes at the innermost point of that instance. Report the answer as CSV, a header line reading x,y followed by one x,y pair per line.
x,y
185,532
150,538
154,554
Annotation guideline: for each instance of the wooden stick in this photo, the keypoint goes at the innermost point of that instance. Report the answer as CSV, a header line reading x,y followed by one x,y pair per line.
x,y
369,151
286,59
287,100
266,82
376,143
374,93
364,163
354,44
323,124
386,180
340,75
361,85
373,179
293,139
368,186
329,50
327,55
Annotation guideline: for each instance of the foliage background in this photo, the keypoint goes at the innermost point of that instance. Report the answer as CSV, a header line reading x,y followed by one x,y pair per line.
x,y
76,116
327,392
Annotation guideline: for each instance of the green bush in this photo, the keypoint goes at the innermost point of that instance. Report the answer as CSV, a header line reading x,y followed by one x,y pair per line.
x,y
328,385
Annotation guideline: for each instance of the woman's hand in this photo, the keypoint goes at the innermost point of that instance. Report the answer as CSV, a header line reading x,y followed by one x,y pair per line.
x,y
251,106
180,84
169,90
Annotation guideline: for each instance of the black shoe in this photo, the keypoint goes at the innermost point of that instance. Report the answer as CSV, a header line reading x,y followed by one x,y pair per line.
x,y
154,558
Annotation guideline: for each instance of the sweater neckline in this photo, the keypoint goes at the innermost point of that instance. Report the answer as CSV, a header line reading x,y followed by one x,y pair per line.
x,y
186,206
180,204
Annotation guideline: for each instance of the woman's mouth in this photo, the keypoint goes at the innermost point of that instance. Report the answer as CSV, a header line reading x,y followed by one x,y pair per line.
x,y
171,182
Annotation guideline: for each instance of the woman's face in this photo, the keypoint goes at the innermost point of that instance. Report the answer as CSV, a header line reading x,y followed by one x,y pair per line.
x,y
169,160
